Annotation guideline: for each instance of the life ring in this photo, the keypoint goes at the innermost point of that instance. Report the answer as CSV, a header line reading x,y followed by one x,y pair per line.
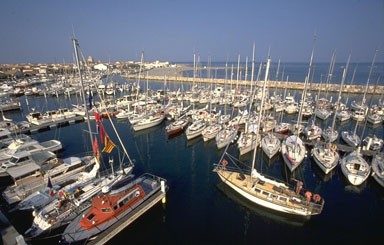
x,y
333,147
316,198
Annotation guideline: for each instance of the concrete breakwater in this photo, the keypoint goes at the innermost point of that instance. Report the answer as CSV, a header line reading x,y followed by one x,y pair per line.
x,y
174,74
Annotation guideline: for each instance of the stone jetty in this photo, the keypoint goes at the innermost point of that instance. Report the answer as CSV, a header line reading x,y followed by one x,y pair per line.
x,y
175,74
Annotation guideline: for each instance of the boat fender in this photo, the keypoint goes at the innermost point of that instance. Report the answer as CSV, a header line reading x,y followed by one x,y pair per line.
x,y
105,189
137,193
308,196
224,162
316,198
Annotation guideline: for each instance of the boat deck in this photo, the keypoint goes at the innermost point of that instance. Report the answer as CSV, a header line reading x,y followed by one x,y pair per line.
x,y
277,193
109,233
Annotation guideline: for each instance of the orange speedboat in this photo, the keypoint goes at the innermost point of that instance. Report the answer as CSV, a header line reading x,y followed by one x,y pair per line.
x,y
112,206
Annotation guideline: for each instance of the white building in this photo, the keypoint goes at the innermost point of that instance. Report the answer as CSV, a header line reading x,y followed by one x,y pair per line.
x,y
100,67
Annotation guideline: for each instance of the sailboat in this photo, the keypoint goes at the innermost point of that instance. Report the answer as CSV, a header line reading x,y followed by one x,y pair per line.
x,y
351,138
330,134
264,191
361,106
66,207
378,168
355,168
293,149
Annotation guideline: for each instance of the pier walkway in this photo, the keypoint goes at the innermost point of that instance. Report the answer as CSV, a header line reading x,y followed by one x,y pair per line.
x,y
49,125
9,235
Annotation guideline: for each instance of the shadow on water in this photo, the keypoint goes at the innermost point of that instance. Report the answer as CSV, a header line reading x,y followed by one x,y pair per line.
x,y
260,211
193,141
320,174
172,136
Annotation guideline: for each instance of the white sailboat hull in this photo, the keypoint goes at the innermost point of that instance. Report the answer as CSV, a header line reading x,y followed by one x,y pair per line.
x,y
246,192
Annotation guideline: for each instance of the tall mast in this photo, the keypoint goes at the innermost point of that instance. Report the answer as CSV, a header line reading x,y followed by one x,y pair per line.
x,y
303,95
260,112
75,45
238,71
340,89
369,77
253,64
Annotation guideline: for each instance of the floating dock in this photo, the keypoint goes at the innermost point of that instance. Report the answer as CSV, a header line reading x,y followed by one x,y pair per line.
x,y
108,234
9,235
49,125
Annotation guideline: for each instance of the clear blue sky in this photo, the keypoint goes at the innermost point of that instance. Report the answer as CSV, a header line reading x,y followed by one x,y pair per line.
x,y
40,31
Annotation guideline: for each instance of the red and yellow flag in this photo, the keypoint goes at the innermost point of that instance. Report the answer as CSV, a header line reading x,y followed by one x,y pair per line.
x,y
108,145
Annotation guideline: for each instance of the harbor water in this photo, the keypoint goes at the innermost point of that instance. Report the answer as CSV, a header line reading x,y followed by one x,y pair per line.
x,y
198,208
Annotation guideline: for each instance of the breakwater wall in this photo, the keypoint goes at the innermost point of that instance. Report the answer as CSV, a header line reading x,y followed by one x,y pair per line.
x,y
347,88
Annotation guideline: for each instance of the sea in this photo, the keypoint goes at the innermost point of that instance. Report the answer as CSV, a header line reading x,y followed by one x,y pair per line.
x,y
199,209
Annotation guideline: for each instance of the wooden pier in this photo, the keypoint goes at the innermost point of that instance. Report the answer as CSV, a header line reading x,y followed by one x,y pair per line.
x,y
108,234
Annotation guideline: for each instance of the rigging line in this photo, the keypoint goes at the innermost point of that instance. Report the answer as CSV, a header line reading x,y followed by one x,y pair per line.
x,y
117,134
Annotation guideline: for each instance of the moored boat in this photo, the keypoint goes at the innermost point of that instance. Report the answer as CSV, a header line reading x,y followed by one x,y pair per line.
x,y
355,168
325,156
293,152
378,169
177,126
195,129
270,144
211,131
112,206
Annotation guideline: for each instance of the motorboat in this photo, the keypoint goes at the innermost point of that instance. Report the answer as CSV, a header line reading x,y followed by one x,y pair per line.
x,y
63,209
113,206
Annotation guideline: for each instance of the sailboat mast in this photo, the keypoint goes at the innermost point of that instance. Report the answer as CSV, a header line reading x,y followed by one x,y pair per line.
x,y
253,65
75,45
303,95
369,76
260,112
341,89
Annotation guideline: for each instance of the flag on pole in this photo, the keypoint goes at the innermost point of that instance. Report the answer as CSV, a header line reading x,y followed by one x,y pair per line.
x,y
97,116
102,133
109,145
49,183
95,145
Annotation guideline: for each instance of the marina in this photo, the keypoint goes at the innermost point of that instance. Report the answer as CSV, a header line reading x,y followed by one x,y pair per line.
x,y
196,199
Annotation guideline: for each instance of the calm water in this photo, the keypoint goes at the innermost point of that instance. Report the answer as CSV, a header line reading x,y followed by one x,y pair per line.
x,y
200,210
